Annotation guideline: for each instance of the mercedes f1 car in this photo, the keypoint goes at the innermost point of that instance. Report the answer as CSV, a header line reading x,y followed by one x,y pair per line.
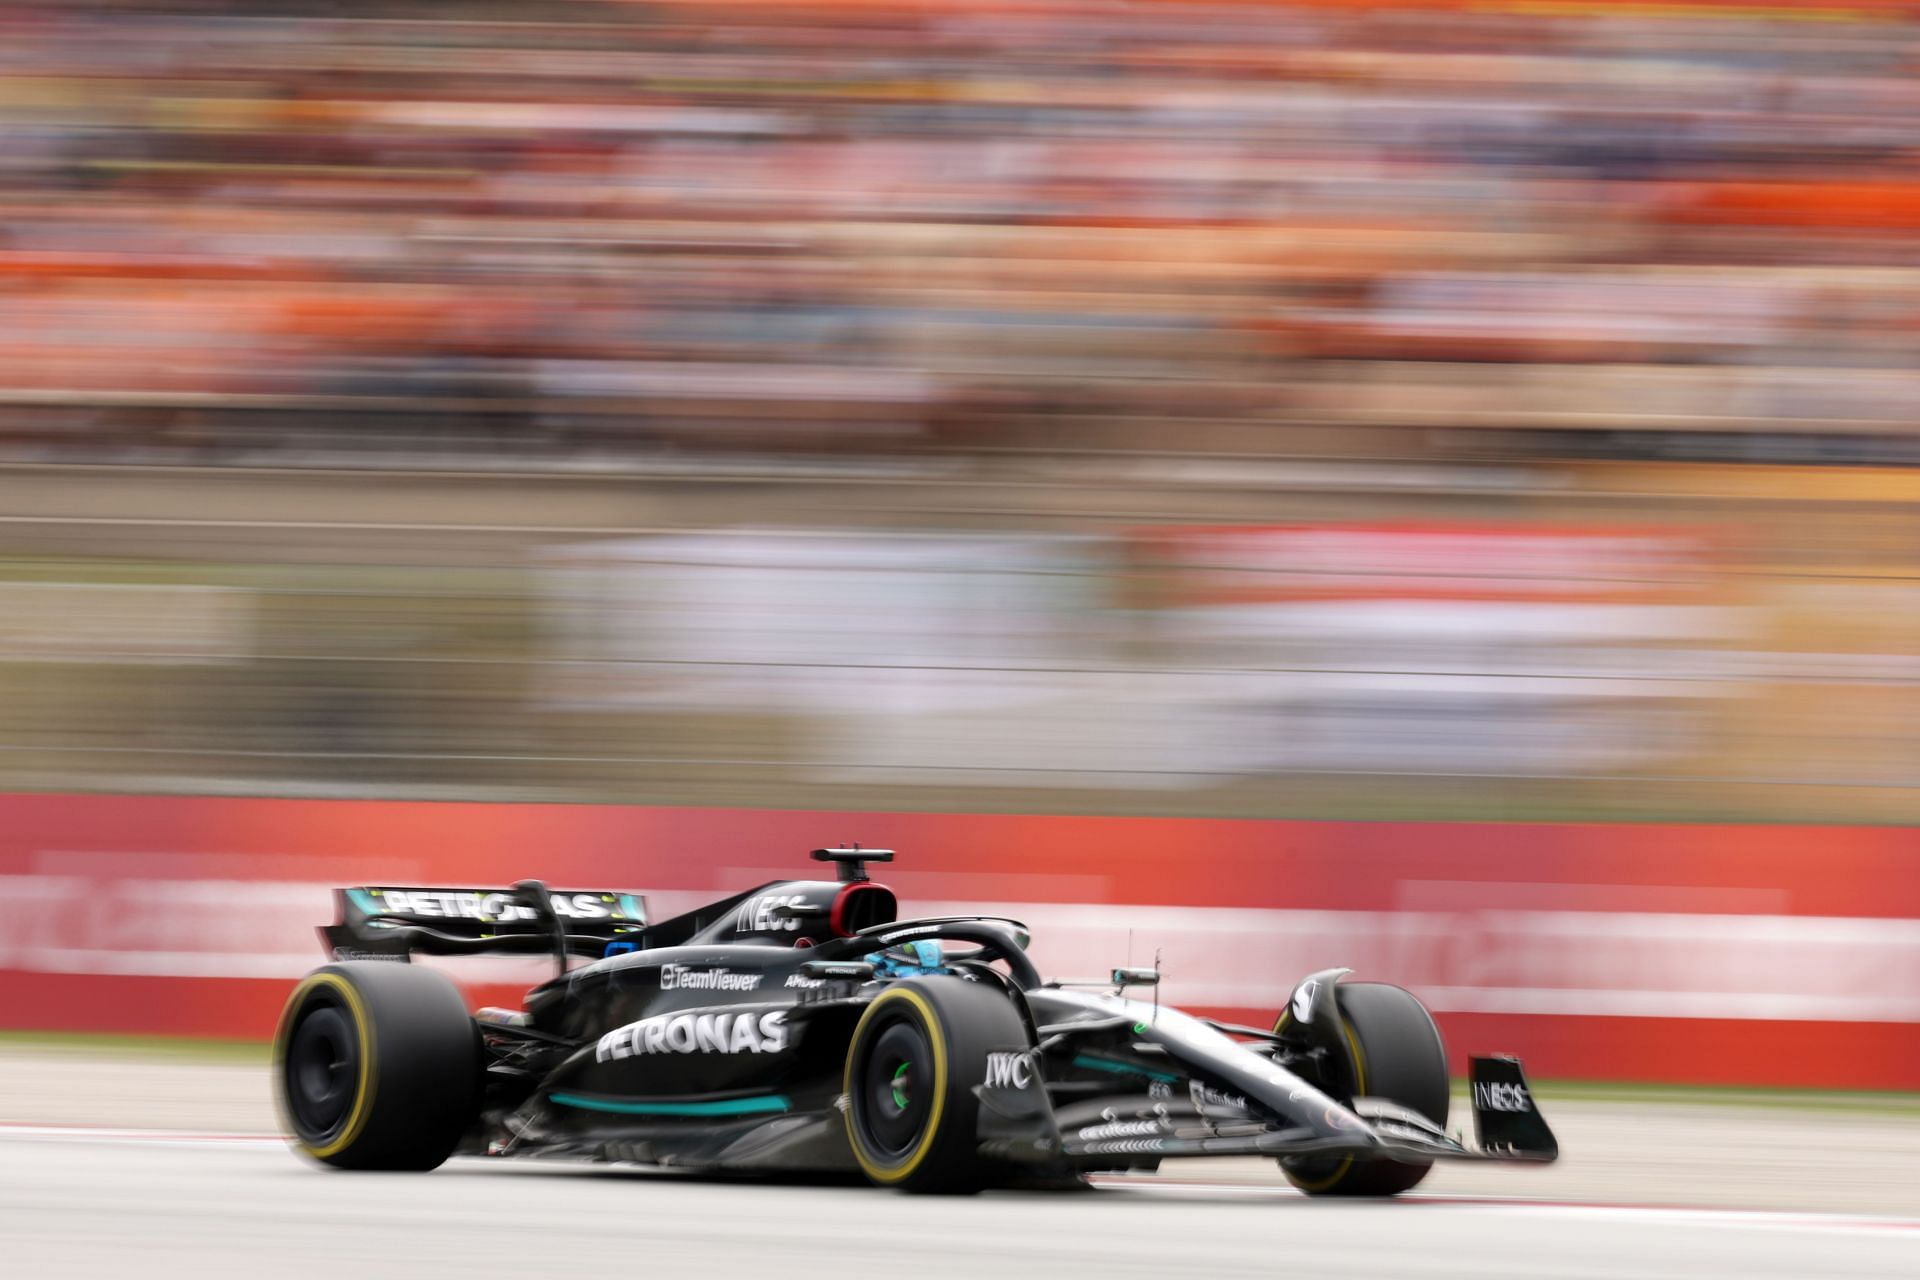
x,y
802,1026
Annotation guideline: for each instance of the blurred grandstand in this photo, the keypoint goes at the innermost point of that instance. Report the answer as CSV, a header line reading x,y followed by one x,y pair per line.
x,y
1433,407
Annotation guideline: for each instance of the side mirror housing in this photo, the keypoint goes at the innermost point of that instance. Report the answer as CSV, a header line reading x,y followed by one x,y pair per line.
x,y
844,970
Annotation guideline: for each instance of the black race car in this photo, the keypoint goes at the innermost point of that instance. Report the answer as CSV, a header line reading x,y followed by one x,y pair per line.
x,y
802,1026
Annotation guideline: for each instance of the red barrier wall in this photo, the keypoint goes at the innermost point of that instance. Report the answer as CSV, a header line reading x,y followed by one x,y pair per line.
x,y
1764,955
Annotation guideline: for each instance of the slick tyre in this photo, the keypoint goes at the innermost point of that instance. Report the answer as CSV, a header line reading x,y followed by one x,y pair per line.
x,y
1397,1054
918,1052
376,1066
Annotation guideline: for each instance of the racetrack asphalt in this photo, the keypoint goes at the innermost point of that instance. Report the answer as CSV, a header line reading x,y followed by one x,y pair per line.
x,y
1644,1191
115,1206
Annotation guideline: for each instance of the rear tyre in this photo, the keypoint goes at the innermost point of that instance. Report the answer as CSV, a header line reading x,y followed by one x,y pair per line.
x,y
1397,1054
376,1066
920,1048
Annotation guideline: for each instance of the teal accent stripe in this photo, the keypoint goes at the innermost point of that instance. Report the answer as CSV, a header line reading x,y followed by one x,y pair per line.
x,y
766,1104
1120,1068
364,900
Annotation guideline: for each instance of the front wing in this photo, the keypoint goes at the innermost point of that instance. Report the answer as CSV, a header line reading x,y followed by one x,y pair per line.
x,y
1018,1126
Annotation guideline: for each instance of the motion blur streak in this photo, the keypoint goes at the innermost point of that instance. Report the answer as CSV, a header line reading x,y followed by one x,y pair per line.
x,y
1247,485
1738,660
1671,952
1470,410
1194,407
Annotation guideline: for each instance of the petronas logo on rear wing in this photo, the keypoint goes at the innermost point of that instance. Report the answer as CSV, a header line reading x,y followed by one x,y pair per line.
x,y
382,921
496,906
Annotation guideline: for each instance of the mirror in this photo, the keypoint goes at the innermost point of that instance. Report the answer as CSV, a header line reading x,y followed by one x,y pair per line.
x,y
858,971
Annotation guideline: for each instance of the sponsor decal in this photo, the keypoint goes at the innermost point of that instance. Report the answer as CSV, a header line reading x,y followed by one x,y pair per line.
x,y
1501,1097
1160,1089
1009,1070
680,977
350,953
803,982
492,908
855,971
1204,1095
696,1033
1120,1129
756,914
1303,1000
914,932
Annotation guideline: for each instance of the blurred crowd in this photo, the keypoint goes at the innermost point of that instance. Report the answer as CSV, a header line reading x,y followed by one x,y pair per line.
x,y
473,236
588,226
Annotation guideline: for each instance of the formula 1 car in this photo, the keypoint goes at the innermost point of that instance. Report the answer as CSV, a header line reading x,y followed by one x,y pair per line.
x,y
801,1026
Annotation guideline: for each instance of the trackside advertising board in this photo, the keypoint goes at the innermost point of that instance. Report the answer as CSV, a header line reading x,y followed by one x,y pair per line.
x,y
1763,955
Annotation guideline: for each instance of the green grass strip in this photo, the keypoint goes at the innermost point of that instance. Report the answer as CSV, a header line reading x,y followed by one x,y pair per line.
x,y
179,1048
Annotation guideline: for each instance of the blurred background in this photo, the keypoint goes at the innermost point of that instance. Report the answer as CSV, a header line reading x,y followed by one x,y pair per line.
x,y
1477,439
1438,408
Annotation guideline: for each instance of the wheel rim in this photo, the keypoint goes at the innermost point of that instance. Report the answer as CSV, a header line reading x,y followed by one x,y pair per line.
x,y
321,1073
903,1086
894,1090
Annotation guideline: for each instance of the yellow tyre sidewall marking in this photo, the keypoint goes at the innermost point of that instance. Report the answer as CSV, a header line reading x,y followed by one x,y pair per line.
x,y
1359,1087
931,1022
363,1032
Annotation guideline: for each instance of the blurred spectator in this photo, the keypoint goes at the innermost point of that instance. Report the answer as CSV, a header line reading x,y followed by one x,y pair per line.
x,y
599,225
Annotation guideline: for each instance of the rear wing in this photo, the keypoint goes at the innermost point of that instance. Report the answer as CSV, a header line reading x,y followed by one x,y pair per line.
x,y
393,922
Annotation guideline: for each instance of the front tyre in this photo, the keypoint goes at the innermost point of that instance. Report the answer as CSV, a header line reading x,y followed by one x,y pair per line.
x,y
1398,1055
376,1065
918,1052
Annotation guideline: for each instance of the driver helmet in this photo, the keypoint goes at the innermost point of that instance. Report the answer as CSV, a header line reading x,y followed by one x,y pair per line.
x,y
911,960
